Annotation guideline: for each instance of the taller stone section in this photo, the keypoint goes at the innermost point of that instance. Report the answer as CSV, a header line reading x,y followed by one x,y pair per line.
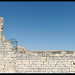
x,y
1,30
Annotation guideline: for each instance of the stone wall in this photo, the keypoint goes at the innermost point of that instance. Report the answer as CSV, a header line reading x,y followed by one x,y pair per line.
x,y
44,62
21,60
1,29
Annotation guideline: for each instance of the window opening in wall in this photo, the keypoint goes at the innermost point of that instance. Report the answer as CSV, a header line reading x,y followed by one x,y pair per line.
x,y
14,43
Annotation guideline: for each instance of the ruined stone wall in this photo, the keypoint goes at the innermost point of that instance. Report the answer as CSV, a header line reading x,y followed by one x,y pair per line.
x,y
6,53
37,62
1,29
7,58
21,60
45,62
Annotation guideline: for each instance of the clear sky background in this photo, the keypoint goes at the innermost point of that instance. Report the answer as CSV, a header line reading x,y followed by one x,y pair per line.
x,y
40,25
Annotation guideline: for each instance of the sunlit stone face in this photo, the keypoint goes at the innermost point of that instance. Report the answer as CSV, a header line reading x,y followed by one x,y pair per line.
x,y
1,27
1,19
1,24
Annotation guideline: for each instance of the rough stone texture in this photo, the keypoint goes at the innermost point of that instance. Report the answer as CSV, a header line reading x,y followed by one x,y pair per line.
x,y
28,61
1,29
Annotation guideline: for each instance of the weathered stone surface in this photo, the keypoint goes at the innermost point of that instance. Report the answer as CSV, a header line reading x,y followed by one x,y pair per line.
x,y
21,49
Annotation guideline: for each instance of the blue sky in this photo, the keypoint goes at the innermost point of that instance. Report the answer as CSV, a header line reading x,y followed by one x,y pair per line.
x,y
40,25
